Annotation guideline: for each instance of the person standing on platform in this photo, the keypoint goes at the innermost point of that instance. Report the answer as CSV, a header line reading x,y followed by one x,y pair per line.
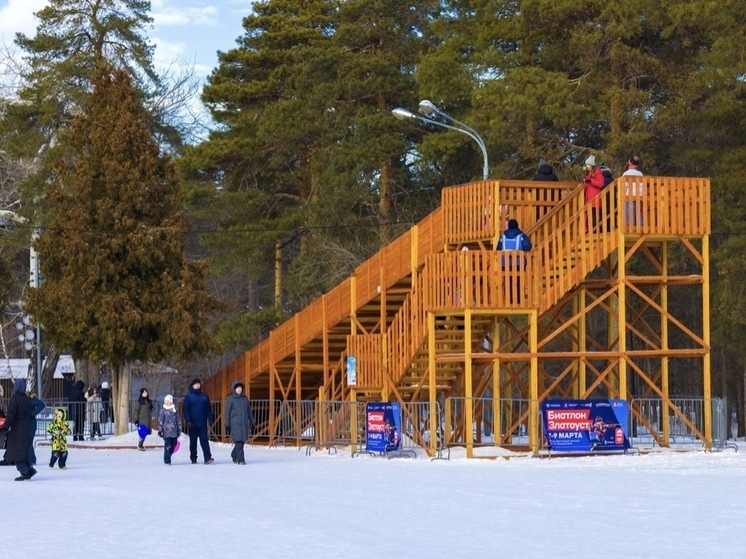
x,y
513,240
593,183
633,188
197,415
545,172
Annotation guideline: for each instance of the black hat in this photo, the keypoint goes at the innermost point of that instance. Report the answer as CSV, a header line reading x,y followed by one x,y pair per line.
x,y
143,390
195,381
512,224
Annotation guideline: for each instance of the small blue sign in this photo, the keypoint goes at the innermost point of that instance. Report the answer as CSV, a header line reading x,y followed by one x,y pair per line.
x,y
351,370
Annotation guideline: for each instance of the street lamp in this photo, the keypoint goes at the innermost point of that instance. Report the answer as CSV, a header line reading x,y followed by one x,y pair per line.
x,y
428,108
30,340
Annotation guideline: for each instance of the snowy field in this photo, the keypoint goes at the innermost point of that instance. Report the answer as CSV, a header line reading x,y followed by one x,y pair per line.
x,y
284,504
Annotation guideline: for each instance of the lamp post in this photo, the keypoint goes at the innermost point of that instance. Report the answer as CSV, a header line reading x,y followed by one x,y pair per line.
x,y
428,108
30,340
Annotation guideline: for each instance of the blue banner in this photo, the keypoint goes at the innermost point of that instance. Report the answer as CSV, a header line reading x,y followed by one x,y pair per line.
x,y
585,425
382,426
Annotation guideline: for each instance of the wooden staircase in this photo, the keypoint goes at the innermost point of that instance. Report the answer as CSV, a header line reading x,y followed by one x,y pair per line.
x,y
424,284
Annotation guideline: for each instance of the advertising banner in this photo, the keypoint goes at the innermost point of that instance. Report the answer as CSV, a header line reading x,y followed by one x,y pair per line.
x,y
585,425
382,426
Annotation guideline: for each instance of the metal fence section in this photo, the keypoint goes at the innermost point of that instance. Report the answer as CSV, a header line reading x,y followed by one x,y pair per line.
x,y
496,422
87,418
678,422
653,422
720,425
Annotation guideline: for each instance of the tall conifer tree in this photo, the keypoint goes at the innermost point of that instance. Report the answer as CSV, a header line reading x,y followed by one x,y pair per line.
x,y
117,286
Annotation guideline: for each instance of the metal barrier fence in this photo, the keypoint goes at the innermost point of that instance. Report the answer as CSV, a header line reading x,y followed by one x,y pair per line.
x,y
650,423
332,424
507,417
86,418
681,423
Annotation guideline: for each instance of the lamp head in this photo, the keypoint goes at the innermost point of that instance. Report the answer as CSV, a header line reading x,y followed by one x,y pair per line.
x,y
428,107
402,114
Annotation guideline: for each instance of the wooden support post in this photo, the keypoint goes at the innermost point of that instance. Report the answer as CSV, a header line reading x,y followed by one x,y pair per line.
x,y
496,386
468,387
582,344
622,322
353,421
666,427
432,394
706,389
533,346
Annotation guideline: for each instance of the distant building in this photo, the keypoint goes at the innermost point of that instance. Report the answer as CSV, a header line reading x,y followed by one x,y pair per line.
x,y
19,368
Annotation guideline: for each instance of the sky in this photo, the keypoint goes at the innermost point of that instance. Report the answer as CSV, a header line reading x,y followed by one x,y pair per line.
x,y
191,31
120,503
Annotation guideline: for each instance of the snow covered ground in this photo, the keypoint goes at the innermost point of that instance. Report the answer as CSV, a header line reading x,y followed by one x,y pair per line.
x,y
284,504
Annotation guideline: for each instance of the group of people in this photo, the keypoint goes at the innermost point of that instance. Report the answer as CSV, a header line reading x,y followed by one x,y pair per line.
x,y
198,415
238,419
597,177
93,405
18,425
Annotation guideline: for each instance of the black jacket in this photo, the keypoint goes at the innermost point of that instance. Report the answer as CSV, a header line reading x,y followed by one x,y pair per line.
x,y
545,174
19,424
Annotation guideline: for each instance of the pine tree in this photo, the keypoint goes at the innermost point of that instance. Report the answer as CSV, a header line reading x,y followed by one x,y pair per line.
x,y
117,287
308,156
72,39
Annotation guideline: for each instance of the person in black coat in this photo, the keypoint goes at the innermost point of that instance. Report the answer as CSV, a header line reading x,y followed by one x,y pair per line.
x,y
77,409
105,393
545,173
18,425
239,421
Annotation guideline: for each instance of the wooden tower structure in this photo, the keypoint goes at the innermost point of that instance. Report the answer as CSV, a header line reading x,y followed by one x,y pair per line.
x,y
437,316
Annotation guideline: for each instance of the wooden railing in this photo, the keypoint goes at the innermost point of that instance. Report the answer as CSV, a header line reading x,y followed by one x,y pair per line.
x,y
469,209
567,247
665,205
404,337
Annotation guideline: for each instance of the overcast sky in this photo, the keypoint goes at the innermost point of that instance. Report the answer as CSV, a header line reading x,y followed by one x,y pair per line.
x,y
183,30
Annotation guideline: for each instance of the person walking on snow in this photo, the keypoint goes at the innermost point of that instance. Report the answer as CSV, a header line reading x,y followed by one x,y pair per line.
x,y
169,427
197,414
59,430
239,421
18,424
143,415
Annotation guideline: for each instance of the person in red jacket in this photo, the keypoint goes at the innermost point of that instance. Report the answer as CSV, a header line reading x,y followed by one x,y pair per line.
x,y
593,183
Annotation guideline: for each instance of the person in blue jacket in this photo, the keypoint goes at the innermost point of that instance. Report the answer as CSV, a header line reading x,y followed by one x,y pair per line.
x,y
37,406
197,414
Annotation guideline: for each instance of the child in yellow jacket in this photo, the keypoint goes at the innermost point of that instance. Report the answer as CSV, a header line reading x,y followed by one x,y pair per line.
x,y
59,429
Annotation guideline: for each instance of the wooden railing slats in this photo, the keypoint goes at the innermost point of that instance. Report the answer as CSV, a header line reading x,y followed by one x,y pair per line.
x,y
554,214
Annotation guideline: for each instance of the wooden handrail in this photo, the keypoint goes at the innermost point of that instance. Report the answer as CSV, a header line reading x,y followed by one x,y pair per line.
x,y
567,247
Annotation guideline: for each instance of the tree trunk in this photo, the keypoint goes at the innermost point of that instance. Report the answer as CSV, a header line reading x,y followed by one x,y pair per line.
x,y
47,371
121,383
